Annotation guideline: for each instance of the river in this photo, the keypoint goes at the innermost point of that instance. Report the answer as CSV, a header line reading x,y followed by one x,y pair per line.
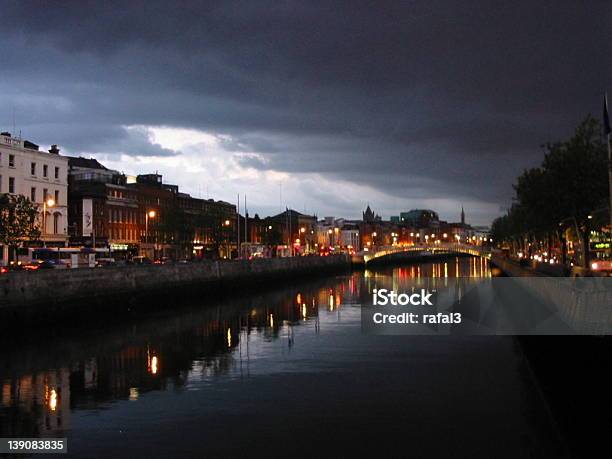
x,y
279,373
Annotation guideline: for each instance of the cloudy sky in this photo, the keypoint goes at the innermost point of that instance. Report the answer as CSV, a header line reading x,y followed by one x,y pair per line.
x,y
320,106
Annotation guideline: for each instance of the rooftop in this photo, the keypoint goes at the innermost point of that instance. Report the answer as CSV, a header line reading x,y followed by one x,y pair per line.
x,y
86,163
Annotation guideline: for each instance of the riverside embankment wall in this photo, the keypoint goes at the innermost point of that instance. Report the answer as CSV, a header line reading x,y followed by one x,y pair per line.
x,y
54,287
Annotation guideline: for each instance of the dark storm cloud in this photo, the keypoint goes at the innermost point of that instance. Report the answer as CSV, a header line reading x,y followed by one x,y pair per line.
x,y
431,98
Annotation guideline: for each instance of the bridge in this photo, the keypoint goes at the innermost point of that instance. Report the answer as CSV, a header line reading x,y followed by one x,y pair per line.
x,y
430,250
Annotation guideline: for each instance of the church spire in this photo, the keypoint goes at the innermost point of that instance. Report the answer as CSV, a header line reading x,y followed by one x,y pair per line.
x,y
462,216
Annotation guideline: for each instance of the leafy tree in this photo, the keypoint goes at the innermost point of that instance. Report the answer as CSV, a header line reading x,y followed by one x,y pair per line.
x,y
18,221
570,184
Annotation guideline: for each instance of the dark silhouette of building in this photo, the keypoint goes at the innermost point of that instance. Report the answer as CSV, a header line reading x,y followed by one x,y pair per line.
x,y
102,208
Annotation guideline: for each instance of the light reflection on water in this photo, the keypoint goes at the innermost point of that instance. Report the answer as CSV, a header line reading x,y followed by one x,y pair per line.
x,y
309,329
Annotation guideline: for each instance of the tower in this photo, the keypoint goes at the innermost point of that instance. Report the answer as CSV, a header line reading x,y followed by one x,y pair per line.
x,y
462,216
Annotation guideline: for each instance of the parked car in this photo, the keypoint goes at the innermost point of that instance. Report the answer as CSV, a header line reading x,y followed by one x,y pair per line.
x,y
163,261
140,260
602,266
11,268
37,265
101,262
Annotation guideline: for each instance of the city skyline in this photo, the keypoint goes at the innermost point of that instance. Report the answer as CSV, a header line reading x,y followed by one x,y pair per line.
x,y
427,105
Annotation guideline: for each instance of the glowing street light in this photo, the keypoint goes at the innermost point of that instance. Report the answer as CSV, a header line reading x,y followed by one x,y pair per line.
x,y
47,203
148,215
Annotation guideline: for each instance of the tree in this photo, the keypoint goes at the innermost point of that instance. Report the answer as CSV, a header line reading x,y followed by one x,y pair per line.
x,y
18,221
570,184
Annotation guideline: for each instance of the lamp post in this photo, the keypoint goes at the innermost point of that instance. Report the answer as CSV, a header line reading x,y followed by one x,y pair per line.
x,y
149,214
226,225
46,203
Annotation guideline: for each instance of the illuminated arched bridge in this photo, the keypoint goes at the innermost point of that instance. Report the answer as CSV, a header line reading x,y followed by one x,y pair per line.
x,y
365,257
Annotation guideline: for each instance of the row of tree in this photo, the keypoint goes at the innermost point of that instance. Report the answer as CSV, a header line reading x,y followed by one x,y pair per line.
x,y
18,221
558,197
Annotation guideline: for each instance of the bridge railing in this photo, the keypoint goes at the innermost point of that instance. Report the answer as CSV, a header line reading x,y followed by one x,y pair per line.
x,y
382,251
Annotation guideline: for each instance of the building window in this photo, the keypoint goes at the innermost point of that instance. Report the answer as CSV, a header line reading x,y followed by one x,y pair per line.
x,y
56,223
33,168
11,185
45,194
56,197
57,172
45,170
11,160
33,194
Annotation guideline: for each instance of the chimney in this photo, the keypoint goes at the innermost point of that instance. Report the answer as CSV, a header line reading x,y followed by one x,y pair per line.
x,y
6,134
54,150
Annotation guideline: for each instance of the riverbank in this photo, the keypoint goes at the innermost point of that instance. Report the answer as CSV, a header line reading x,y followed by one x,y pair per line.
x,y
38,295
569,370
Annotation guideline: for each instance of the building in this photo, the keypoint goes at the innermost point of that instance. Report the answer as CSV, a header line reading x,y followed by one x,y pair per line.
x,y
373,231
103,210
143,216
291,229
368,216
155,214
176,225
339,234
208,229
420,218
42,177
460,231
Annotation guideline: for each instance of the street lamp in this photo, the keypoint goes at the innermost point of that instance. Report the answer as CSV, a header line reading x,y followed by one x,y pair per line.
x,y
224,225
46,203
149,214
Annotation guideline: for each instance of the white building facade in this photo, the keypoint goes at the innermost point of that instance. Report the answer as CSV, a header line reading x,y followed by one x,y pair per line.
x,y
42,177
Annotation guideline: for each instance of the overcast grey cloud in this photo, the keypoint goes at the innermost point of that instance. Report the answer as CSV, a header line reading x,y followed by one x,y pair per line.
x,y
403,103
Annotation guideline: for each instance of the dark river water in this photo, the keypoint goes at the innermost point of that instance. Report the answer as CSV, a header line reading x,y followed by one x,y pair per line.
x,y
285,372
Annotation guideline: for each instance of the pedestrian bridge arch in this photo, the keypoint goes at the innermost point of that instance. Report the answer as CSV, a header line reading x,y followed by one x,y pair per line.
x,y
365,257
